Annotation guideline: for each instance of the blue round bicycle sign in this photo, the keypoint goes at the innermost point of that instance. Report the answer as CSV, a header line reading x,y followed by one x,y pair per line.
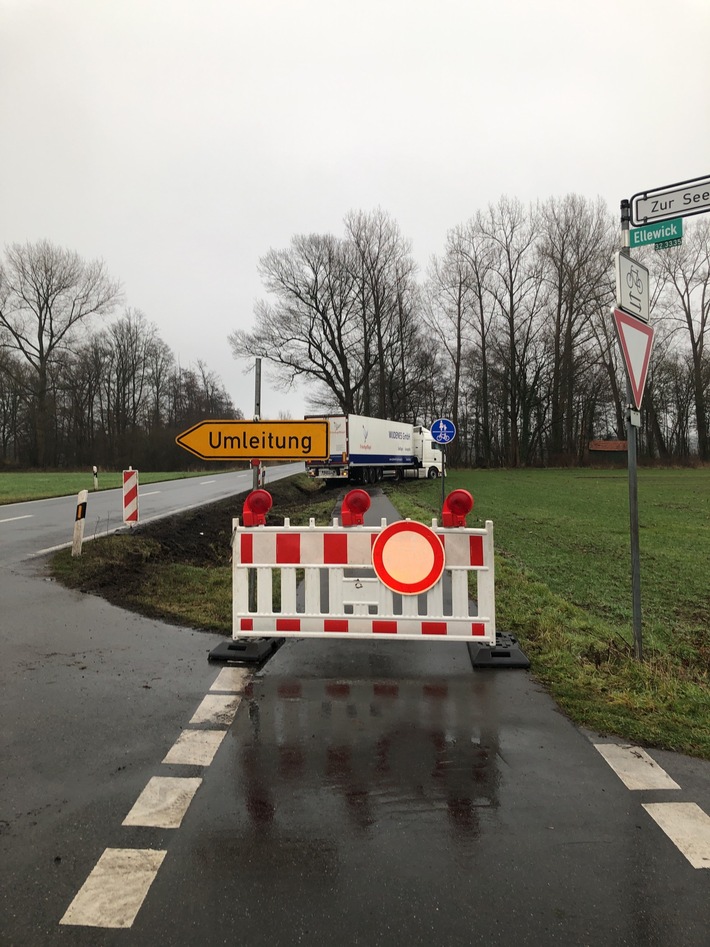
x,y
443,431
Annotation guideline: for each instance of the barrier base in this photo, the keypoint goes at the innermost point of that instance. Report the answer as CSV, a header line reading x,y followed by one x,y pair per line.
x,y
506,653
245,650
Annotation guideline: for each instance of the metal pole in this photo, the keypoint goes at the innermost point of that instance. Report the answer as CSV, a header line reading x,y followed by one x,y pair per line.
x,y
257,415
251,586
443,475
633,478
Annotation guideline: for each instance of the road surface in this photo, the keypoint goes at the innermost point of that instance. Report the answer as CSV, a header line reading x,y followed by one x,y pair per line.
x,y
345,793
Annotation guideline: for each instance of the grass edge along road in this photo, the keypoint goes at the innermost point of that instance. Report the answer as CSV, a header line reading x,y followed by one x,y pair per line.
x,y
562,583
40,485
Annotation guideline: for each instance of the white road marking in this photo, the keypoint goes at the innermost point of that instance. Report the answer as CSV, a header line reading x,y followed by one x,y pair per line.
x,y
203,483
635,768
195,747
113,893
687,826
115,890
151,493
164,802
217,709
12,519
232,680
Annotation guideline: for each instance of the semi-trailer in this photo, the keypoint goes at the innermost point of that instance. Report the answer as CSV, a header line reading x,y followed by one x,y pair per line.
x,y
365,450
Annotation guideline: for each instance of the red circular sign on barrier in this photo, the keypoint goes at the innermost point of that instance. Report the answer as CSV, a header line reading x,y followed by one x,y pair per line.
x,y
408,557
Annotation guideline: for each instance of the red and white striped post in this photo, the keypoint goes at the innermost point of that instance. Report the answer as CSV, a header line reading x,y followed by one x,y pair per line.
x,y
130,496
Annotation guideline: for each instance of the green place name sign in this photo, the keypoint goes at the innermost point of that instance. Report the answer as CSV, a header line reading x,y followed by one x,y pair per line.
x,y
657,233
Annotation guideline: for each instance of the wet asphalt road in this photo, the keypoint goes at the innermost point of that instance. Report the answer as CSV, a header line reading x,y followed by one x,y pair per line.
x,y
362,795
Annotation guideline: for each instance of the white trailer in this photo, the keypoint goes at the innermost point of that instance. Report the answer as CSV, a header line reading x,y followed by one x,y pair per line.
x,y
365,450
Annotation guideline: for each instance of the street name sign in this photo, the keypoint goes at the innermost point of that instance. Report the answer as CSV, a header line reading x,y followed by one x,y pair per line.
x,y
674,200
668,230
636,341
632,286
267,440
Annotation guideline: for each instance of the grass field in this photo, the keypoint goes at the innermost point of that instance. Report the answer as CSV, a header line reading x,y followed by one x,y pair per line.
x,y
562,584
18,487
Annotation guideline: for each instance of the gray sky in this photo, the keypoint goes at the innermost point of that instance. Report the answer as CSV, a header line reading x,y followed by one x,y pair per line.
x,y
180,139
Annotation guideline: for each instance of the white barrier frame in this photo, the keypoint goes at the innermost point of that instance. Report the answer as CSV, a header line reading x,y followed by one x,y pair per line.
x,y
358,605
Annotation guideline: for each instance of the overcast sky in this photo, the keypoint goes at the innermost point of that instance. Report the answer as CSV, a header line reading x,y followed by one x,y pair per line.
x,y
179,140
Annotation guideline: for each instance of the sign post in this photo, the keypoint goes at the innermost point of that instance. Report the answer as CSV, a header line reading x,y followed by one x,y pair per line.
x,y
632,422
658,213
443,431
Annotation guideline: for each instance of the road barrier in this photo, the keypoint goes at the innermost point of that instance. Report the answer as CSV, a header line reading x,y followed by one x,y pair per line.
x,y
402,580
130,496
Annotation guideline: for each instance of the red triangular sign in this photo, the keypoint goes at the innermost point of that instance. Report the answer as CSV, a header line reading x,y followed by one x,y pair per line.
x,y
636,340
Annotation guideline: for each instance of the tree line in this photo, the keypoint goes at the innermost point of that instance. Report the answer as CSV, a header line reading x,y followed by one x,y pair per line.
x,y
508,332
80,385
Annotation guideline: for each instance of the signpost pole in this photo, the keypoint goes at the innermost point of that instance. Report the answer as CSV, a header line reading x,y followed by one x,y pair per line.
x,y
257,415
633,480
443,475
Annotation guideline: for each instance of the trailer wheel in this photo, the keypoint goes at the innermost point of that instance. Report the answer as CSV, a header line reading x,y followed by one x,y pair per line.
x,y
432,473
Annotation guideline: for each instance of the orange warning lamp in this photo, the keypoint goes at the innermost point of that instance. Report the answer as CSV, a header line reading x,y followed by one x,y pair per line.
x,y
457,506
355,504
256,506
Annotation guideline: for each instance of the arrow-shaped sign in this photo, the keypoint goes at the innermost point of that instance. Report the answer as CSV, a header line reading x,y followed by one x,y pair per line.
x,y
636,340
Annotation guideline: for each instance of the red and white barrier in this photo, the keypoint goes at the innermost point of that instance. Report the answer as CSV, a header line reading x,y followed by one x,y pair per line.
x,y
337,603
130,496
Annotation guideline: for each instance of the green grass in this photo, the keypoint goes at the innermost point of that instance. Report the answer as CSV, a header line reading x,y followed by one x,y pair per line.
x,y
18,487
563,583
563,587
178,569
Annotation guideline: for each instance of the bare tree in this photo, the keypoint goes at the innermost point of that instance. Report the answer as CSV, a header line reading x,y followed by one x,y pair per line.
x,y
517,289
311,330
683,274
47,294
383,272
576,249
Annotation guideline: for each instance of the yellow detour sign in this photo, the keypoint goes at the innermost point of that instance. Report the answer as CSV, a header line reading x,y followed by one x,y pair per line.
x,y
265,440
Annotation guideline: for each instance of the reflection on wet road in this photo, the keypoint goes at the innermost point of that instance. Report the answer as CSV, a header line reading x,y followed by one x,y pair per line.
x,y
383,753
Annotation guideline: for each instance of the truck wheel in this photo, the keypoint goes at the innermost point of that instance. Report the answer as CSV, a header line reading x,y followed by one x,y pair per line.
x,y
433,473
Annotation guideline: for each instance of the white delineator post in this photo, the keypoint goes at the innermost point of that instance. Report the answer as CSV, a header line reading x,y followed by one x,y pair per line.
x,y
130,496
79,521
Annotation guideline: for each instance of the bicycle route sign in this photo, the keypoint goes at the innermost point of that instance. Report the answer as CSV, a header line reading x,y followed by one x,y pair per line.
x,y
632,284
443,431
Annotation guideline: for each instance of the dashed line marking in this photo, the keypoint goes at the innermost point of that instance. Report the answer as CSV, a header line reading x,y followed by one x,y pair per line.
x,y
232,680
115,890
219,709
12,519
195,747
113,893
150,493
687,826
164,802
635,768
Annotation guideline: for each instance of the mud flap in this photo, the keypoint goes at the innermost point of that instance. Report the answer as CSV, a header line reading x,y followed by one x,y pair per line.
x,y
506,653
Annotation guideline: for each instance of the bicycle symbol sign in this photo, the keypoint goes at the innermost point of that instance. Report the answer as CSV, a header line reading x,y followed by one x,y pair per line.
x,y
632,286
443,431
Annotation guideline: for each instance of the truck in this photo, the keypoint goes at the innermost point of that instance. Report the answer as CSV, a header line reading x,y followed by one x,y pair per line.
x,y
365,450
